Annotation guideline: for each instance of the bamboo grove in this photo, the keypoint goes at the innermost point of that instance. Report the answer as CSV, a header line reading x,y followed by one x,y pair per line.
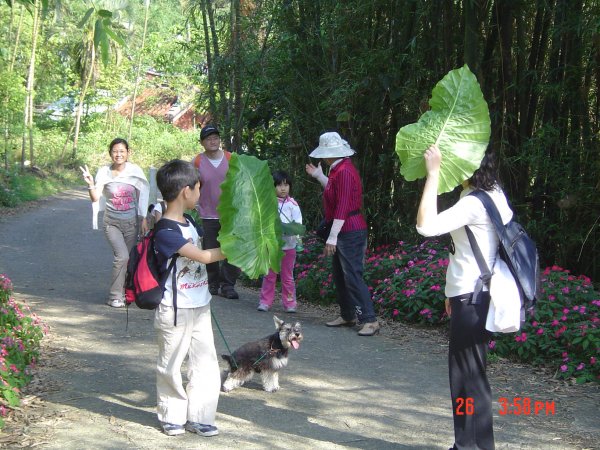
x,y
275,74
289,70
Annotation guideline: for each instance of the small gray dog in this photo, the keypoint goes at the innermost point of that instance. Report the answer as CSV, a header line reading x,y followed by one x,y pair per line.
x,y
265,356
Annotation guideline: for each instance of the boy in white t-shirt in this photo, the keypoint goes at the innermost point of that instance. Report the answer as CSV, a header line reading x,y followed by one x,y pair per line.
x,y
194,407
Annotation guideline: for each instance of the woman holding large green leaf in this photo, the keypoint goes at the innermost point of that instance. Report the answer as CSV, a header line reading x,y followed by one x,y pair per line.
x,y
469,386
347,240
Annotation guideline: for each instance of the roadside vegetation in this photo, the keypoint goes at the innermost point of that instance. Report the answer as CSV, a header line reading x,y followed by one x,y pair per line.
x,y
406,281
154,144
21,332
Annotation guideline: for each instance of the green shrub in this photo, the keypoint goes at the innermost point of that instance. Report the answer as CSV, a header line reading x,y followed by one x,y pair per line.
x,y
8,194
16,188
20,334
152,144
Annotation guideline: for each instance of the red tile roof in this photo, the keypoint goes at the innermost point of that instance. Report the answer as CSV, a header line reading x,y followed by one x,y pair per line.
x,y
161,103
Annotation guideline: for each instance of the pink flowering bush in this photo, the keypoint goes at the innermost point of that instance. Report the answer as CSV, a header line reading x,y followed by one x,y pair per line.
x,y
20,335
564,331
407,283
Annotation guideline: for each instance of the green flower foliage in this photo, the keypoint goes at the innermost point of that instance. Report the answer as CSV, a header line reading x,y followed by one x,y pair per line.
x,y
20,335
250,233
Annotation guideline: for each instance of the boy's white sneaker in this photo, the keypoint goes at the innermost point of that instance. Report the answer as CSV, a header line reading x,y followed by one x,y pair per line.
x,y
171,429
202,429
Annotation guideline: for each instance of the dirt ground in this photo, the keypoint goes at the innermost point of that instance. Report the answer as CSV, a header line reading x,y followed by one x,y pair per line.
x,y
94,385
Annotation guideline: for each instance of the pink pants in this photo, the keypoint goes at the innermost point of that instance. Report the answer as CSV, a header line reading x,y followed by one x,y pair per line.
x,y
288,286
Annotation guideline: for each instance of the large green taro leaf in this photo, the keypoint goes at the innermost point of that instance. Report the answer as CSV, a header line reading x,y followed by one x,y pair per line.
x,y
293,229
250,233
458,122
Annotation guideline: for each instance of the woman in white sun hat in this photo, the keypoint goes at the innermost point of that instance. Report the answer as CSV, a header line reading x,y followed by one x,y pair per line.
x,y
347,241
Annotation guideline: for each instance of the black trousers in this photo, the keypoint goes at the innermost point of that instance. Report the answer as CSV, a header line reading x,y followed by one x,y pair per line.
x,y
222,275
469,386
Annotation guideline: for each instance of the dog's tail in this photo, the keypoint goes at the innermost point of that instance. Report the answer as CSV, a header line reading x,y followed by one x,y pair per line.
x,y
229,359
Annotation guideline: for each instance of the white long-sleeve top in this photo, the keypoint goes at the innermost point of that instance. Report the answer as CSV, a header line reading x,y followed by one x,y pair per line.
x,y
289,212
133,175
463,271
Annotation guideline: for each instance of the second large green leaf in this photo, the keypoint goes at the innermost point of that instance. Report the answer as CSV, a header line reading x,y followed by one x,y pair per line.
x,y
458,122
250,233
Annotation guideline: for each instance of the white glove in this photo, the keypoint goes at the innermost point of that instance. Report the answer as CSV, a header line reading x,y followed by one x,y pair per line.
x,y
335,230
320,176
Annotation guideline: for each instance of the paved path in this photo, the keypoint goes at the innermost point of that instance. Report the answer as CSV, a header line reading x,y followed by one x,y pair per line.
x,y
339,390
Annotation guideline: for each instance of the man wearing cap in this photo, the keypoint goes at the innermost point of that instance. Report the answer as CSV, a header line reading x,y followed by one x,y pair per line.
x,y
212,165
347,241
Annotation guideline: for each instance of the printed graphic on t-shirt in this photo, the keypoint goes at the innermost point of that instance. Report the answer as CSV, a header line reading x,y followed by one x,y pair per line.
x,y
191,278
192,273
120,197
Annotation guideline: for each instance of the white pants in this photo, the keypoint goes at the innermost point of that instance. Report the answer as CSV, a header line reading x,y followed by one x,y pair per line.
x,y
192,337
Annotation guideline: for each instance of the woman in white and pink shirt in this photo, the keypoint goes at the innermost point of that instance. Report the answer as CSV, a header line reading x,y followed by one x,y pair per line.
x,y
121,190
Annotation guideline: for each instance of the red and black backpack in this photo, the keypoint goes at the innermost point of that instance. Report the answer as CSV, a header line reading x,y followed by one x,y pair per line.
x,y
145,281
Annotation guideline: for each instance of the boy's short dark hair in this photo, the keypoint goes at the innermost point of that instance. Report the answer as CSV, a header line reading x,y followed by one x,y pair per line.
x,y
280,176
174,176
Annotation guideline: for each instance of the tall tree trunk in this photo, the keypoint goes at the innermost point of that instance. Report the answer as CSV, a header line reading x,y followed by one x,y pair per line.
x,y
30,121
139,68
86,82
220,77
212,98
237,77
28,113
7,114
508,101
471,51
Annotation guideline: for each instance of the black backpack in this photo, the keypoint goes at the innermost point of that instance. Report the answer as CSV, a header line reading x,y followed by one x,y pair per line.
x,y
518,251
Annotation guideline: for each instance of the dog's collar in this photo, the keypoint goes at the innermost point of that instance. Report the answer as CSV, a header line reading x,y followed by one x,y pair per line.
x,y
273,351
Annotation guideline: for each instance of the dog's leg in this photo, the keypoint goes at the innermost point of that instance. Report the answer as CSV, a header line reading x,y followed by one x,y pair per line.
x,y
236,379
270,380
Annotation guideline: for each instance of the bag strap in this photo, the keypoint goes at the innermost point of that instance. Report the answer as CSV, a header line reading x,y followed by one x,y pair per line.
x,y
356,212
491,209
173,265
171,269
486,274
494,214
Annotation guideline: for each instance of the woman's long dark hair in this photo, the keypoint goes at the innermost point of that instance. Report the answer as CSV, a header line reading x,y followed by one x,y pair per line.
x,y
486,177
